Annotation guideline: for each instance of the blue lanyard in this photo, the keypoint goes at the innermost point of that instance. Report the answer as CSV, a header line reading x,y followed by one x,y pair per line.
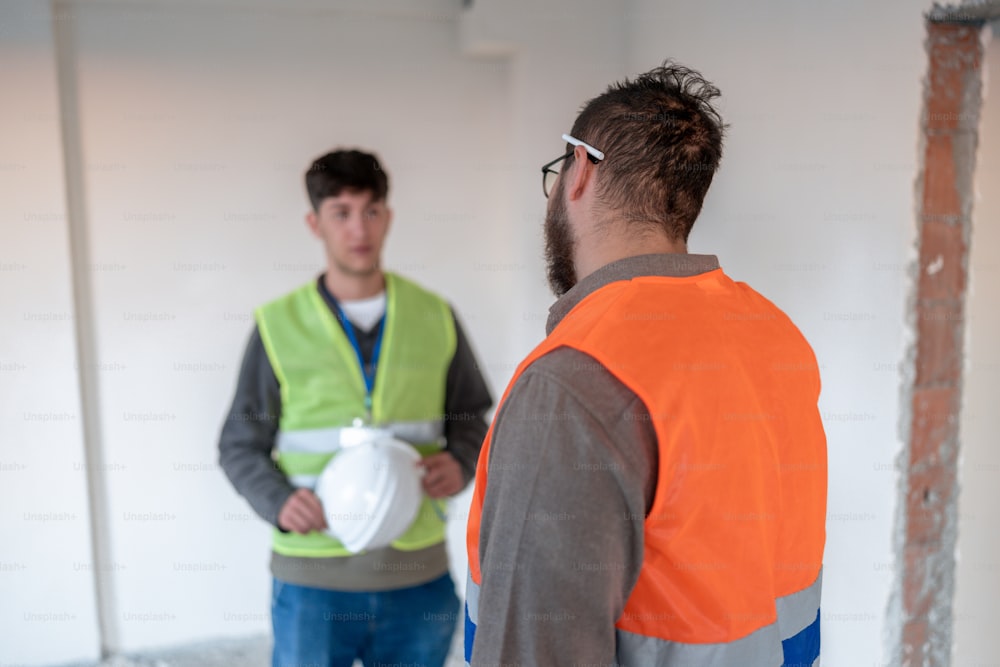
x,y
366,373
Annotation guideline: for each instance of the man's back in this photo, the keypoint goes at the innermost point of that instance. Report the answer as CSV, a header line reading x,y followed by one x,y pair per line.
x,y
732,471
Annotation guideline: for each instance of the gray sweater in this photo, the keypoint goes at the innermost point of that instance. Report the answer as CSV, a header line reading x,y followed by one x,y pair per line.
x,y
245,454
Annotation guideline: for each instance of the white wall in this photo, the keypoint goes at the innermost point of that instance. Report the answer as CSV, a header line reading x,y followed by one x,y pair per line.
x,y
814,207
47,605
977,573
197,122
562,53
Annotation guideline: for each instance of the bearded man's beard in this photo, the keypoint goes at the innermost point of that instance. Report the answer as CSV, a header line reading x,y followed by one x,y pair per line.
x,y
559,245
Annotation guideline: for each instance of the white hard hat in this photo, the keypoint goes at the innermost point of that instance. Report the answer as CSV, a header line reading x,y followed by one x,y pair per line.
x,y
371,489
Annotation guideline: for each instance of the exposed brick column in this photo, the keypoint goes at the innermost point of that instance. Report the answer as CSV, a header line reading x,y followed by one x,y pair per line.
x,y
950,133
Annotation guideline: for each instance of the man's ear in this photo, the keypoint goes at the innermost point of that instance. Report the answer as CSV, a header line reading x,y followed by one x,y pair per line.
x,y
582,174
312,221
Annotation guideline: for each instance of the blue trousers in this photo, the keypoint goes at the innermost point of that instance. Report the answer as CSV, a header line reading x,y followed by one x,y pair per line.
x,y
314,627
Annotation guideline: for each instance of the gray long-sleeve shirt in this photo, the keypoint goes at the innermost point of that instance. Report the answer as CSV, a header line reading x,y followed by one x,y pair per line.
x,y
572,474
248,438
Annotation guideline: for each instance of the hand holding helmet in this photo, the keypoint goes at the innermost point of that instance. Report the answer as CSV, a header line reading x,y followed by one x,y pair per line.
x,y
302,513
442,476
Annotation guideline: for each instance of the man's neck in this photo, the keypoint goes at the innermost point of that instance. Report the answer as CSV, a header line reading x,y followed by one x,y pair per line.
x,y
353,287
602,249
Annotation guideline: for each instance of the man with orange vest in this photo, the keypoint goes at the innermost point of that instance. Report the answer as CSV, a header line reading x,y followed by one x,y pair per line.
x,y
653,488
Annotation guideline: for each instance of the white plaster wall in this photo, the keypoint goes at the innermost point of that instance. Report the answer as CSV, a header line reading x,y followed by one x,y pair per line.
x,y
197,126
198,120
562,53
47,607
814,207
977,573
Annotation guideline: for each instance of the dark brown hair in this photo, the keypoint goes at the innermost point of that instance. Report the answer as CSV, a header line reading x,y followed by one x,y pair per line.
x,y
342,170
662,142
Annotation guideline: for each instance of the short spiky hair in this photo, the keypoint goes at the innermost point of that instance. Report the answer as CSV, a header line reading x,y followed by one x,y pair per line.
x,y
345,170
662,142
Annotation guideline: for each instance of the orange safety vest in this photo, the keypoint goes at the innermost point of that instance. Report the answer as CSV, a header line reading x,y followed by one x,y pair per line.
x,y
734,540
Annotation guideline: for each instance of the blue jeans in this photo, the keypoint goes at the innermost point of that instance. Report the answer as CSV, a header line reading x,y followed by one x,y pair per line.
x,y
314,627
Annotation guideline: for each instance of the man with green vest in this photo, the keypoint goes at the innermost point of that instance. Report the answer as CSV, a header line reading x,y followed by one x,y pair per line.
x,y
359,345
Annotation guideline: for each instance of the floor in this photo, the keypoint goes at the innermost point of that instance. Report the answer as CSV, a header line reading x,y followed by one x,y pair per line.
x,y
252,652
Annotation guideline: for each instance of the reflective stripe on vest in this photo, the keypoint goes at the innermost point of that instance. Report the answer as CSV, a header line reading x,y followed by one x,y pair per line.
x,y
791,640
322,391
779,643
731,387
326,440
309,451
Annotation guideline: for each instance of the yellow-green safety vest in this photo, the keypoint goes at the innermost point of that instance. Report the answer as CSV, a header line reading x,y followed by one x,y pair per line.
x,y
323,390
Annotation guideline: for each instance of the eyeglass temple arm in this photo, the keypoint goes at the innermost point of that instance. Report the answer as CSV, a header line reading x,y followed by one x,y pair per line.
x,y
590,149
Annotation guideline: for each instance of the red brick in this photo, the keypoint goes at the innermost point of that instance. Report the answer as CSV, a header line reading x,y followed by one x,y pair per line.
x,y
914,643
918,590
939,353
929,492
940,195
934,427
944,98
948,43
942,246
954,53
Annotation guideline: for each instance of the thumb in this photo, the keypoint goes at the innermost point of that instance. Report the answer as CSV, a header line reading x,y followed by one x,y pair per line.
x,y
428,461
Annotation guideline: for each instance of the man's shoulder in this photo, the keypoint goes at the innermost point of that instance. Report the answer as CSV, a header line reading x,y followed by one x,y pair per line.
x,y
769,314
285,300
566,372
569,402
413,288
